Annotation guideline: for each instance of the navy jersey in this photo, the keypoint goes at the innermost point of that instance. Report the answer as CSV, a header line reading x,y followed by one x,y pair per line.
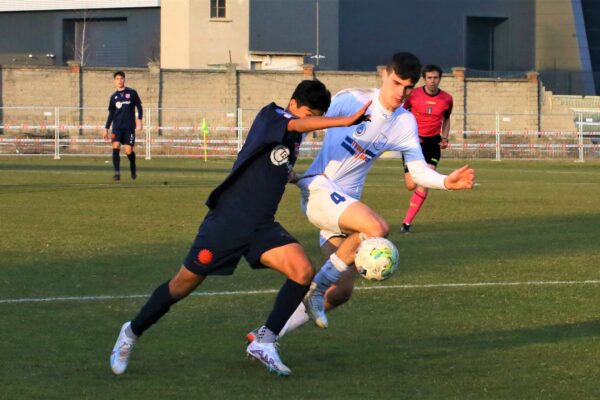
x,y
257,180
121,110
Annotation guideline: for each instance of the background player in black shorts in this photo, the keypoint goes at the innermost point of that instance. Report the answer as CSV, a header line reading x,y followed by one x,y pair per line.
x,y
241,222
121,114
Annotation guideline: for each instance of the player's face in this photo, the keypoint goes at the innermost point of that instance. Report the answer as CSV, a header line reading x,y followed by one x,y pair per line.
x,y
303,111
394,90
432,81
119,82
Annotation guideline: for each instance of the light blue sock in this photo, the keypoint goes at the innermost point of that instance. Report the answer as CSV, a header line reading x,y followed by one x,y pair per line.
x,y
329,274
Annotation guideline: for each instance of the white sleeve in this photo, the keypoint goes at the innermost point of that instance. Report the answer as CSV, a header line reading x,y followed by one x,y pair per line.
x,y
425,176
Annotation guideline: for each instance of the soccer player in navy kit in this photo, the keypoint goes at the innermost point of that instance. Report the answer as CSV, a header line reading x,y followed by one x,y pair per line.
x,y
241,222
121,114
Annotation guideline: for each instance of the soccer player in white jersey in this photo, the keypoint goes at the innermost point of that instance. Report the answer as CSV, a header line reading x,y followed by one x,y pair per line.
x,y
332,186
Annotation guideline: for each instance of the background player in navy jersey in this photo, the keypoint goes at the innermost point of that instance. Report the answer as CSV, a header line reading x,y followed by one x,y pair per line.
x,y
431,107
121,114
241,222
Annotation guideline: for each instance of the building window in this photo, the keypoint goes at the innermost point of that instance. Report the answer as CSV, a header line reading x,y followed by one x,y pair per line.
x,y
217,8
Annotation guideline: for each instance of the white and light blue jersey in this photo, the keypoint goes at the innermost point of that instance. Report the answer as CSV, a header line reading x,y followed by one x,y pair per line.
x,y
348,153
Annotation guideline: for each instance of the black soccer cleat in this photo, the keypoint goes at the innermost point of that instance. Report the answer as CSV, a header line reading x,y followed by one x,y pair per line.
x,y
406,228
116,177
133,176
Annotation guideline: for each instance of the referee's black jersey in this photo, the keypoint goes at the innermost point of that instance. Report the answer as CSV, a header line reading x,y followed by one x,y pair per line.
x,y
121,109
257,180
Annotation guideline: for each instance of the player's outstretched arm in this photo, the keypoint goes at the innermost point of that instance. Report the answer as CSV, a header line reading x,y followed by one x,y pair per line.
x,y
462,178
308,124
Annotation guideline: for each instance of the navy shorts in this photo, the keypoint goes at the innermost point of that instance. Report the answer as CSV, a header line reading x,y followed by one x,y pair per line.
x,y
222,241
431,150
123,136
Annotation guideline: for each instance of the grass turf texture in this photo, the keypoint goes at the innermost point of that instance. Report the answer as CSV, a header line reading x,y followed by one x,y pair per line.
x,y
67,230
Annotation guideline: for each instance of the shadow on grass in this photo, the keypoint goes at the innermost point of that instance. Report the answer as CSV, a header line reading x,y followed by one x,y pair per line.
x,y
499,340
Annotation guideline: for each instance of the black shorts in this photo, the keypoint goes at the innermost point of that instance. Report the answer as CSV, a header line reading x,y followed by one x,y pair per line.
x,y
123,136
431,150
222,241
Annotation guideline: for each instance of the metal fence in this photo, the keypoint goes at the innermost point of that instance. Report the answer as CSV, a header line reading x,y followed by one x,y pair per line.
x,y
202,133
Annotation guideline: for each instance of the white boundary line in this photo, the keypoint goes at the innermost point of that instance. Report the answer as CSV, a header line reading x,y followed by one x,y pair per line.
x,y
268,291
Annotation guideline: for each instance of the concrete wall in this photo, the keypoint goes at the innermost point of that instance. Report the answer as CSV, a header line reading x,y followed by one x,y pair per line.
x,y
187,96
40,33
192,39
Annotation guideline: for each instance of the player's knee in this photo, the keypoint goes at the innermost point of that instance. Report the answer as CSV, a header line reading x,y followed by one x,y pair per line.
x,y
339,295
378,228
183,284
410,186
302,274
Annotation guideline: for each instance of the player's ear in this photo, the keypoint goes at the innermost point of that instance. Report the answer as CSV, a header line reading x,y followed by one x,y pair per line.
x,y
293,105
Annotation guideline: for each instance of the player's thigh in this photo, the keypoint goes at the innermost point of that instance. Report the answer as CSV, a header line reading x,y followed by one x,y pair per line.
x,y
323,202
291,261
359,217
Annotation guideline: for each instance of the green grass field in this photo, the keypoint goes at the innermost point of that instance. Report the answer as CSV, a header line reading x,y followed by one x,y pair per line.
x,y
525,324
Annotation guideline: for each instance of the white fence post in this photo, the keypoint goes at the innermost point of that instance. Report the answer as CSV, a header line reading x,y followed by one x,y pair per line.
x,y
148,154
240,127
56,133
497,136
580,141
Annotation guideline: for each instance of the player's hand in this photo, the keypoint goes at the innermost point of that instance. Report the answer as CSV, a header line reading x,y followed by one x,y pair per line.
x,y
294,177
138,124
360,115
444,144
105,135
462,178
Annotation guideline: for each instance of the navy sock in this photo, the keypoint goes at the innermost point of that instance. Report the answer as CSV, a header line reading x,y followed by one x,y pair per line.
x,y
289,297
157,305
131,157
116,161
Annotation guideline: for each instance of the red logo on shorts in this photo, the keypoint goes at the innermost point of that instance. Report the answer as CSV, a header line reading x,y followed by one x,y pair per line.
x,y
205,256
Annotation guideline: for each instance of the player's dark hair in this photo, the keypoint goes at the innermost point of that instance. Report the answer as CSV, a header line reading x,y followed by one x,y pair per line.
x,y
406,66
119,73
431,68
313,94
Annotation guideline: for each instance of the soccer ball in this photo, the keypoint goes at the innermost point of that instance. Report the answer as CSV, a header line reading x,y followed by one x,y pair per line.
x,y
376,259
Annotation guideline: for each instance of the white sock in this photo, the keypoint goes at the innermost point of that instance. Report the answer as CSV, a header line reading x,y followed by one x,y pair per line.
x,y
329,273
298,318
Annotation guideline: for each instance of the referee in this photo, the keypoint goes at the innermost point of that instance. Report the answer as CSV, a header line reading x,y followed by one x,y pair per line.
x,y
121,114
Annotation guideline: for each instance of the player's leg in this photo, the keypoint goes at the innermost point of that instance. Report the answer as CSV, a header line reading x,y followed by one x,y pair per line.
x,y
359,221
340,292
337,294
128,146
291,261
416,202
116,159
432,153
159,303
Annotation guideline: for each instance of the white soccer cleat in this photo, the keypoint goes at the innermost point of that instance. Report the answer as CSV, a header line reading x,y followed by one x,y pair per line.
x,y
268,354
314,302
119,358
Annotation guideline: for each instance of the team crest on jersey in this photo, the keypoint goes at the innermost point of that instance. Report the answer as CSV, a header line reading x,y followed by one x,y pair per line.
x,y
127,95
380,142
360,129
280,155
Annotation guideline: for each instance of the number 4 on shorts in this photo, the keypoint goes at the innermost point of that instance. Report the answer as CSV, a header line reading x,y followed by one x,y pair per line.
x,y
337,198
